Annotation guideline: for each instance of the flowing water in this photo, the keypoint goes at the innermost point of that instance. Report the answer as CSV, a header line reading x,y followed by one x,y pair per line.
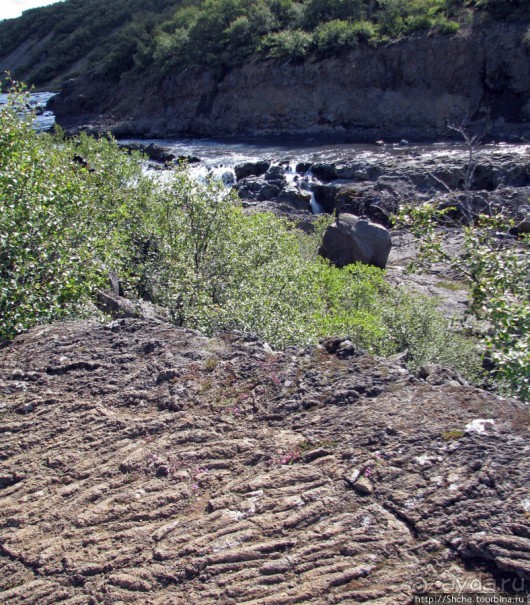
x,y
44,119
219,157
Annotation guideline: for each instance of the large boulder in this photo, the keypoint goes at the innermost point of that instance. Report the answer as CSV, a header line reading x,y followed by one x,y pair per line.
x,y
247,169
295,197
157,153
352,239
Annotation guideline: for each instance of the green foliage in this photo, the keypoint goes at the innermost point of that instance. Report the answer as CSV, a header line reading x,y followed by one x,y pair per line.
x,y
73,31
218,268
72,211
287,44
501,293
56,219
44,248
415,324
335,35
400,17
128,36
452,435
497,269
321,11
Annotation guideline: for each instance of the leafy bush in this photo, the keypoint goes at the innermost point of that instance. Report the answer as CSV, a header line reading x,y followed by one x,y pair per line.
x,y
45,254
71,211
57,219
416,325
497,270
445,26
335,35
317,12
287,44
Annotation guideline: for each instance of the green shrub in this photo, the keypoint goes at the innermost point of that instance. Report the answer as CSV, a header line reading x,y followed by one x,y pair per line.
x,y
45,250
57,219
497,271
415,324
445,26
364,30
71,211
287,44
335,35
171,49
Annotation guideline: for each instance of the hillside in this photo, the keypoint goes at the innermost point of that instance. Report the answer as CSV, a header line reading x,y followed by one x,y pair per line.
x,y
146,464
232,67
409,89
47,44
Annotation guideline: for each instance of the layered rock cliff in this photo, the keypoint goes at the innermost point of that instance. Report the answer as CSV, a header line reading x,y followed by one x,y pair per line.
x,y
142,463
408,88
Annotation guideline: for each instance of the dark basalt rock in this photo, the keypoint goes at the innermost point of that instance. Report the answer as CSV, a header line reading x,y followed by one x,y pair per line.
x,y
298,199
324,171
154,152
251,169
351,239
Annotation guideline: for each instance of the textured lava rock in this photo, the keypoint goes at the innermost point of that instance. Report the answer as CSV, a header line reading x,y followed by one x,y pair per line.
x,y
162,467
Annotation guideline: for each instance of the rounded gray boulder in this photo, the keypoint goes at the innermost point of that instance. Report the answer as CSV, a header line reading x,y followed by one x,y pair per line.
x,y
351,239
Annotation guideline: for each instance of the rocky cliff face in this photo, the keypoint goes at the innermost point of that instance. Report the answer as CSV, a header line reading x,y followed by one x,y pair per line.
x,y
405,89
142,463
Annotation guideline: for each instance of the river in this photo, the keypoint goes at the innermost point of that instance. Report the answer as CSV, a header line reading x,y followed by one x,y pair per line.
x,y
44,119
219,157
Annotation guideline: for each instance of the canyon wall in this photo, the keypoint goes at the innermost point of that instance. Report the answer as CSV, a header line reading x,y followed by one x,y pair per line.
x,y
406,89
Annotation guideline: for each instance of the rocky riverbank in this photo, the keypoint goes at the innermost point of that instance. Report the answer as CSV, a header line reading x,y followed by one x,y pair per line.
x,y
376,185
368,182
142,463
405,89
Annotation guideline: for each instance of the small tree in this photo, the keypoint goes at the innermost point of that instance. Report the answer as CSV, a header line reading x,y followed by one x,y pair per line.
x,y
495,264
497,269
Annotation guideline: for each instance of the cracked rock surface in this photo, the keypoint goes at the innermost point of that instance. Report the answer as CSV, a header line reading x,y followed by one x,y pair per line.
x,y
142,463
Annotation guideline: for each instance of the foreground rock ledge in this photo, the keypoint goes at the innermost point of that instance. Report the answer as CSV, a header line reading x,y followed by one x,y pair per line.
x,y
142,463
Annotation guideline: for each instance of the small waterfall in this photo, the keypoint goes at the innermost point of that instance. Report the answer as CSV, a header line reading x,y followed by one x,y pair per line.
x,y
316,208
290,172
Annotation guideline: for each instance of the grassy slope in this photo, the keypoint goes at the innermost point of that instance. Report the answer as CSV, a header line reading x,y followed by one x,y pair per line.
x,y
47,45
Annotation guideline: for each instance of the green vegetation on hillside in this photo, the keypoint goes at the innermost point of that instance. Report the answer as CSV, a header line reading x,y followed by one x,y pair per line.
x,y
72,211
124,36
